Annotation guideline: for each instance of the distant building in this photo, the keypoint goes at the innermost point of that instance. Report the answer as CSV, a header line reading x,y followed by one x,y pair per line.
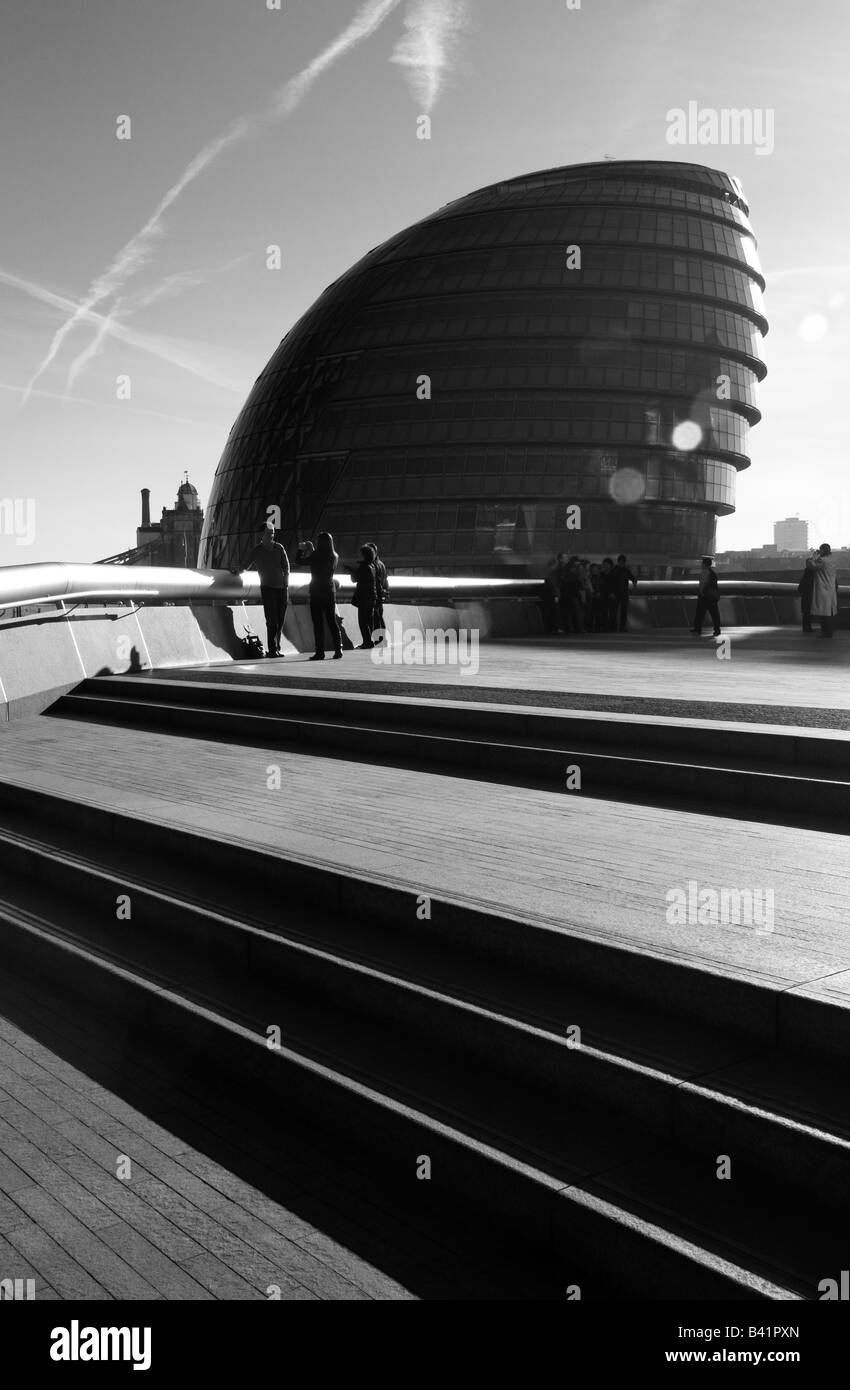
x,y
792,535
174,539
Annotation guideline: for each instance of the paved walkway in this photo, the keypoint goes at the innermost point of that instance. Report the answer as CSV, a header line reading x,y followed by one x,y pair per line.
x,y
599,867
184,1226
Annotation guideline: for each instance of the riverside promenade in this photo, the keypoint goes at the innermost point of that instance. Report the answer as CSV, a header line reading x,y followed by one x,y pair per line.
x,y
207,1214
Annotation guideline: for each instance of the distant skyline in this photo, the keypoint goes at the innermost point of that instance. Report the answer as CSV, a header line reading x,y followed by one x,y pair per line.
x,y
137,306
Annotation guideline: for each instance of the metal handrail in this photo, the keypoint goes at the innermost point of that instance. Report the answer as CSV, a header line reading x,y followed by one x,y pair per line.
x,y
22,585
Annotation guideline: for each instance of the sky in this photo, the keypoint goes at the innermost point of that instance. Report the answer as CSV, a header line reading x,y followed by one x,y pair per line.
x,y
137,306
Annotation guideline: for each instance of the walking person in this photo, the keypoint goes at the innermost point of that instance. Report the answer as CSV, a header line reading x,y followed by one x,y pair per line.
x,y
365,594
708,597
382,593
322,560
271,562
824,569
804,589
621,578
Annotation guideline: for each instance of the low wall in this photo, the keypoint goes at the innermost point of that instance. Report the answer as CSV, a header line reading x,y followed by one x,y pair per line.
x,y
39,660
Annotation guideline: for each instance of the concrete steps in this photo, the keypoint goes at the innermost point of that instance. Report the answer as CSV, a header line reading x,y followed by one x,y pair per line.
x,y
449,1038
794,775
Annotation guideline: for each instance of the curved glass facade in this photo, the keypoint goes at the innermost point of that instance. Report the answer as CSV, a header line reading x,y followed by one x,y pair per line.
x,y
468,382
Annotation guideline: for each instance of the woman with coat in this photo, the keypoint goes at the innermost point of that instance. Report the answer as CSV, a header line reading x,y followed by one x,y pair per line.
x,y
824,567
365,594
321,561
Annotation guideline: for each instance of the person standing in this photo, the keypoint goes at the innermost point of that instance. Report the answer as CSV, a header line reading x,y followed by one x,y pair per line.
x,y
594,609
572,598
607,595
708,597
824,569
621,578
365,593
551,597
322,560
382,592
804,589
271,562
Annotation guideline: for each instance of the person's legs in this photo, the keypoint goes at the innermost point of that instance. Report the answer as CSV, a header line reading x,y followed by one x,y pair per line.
x,y
699,615
269,602
378,619
364,618
623,612
280,616
825,626
806,606
333,625
714,610
317,613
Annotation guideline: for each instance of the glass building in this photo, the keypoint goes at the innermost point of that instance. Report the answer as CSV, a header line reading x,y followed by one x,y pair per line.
x,y
563,361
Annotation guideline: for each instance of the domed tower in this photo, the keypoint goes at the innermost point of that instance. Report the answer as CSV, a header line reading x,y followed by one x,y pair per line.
x,y
563,361
187,497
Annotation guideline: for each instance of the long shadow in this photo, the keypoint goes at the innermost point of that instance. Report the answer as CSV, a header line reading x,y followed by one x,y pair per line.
x,y
425,1243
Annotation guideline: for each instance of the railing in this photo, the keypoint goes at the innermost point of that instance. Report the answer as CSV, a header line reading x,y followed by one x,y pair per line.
x,y
59,584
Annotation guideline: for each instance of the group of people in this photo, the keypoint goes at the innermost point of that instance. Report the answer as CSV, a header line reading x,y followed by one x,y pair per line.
x,y
371,590
581,596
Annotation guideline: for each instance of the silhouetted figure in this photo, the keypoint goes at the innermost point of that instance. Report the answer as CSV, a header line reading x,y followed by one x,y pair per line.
x,y
382,593
594,617
621,578
572,598
321,560
271,562
708,597
552,597
365,594
607,595
804,589
824,569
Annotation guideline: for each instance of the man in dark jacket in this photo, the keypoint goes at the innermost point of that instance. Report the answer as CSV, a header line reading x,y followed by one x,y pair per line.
x,y
804,589
707,597
621,578
271,562
382,592
365,591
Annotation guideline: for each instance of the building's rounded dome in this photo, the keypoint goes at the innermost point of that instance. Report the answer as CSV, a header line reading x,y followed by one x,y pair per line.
x,y
586,337
187,497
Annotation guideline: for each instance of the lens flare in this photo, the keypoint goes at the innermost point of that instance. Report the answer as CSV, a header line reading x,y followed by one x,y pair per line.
x,y
687,436
627,487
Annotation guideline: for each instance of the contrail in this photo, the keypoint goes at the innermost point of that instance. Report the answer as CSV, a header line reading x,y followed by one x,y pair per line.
x,y
140,248
178,283
124,406
156,347
427,49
